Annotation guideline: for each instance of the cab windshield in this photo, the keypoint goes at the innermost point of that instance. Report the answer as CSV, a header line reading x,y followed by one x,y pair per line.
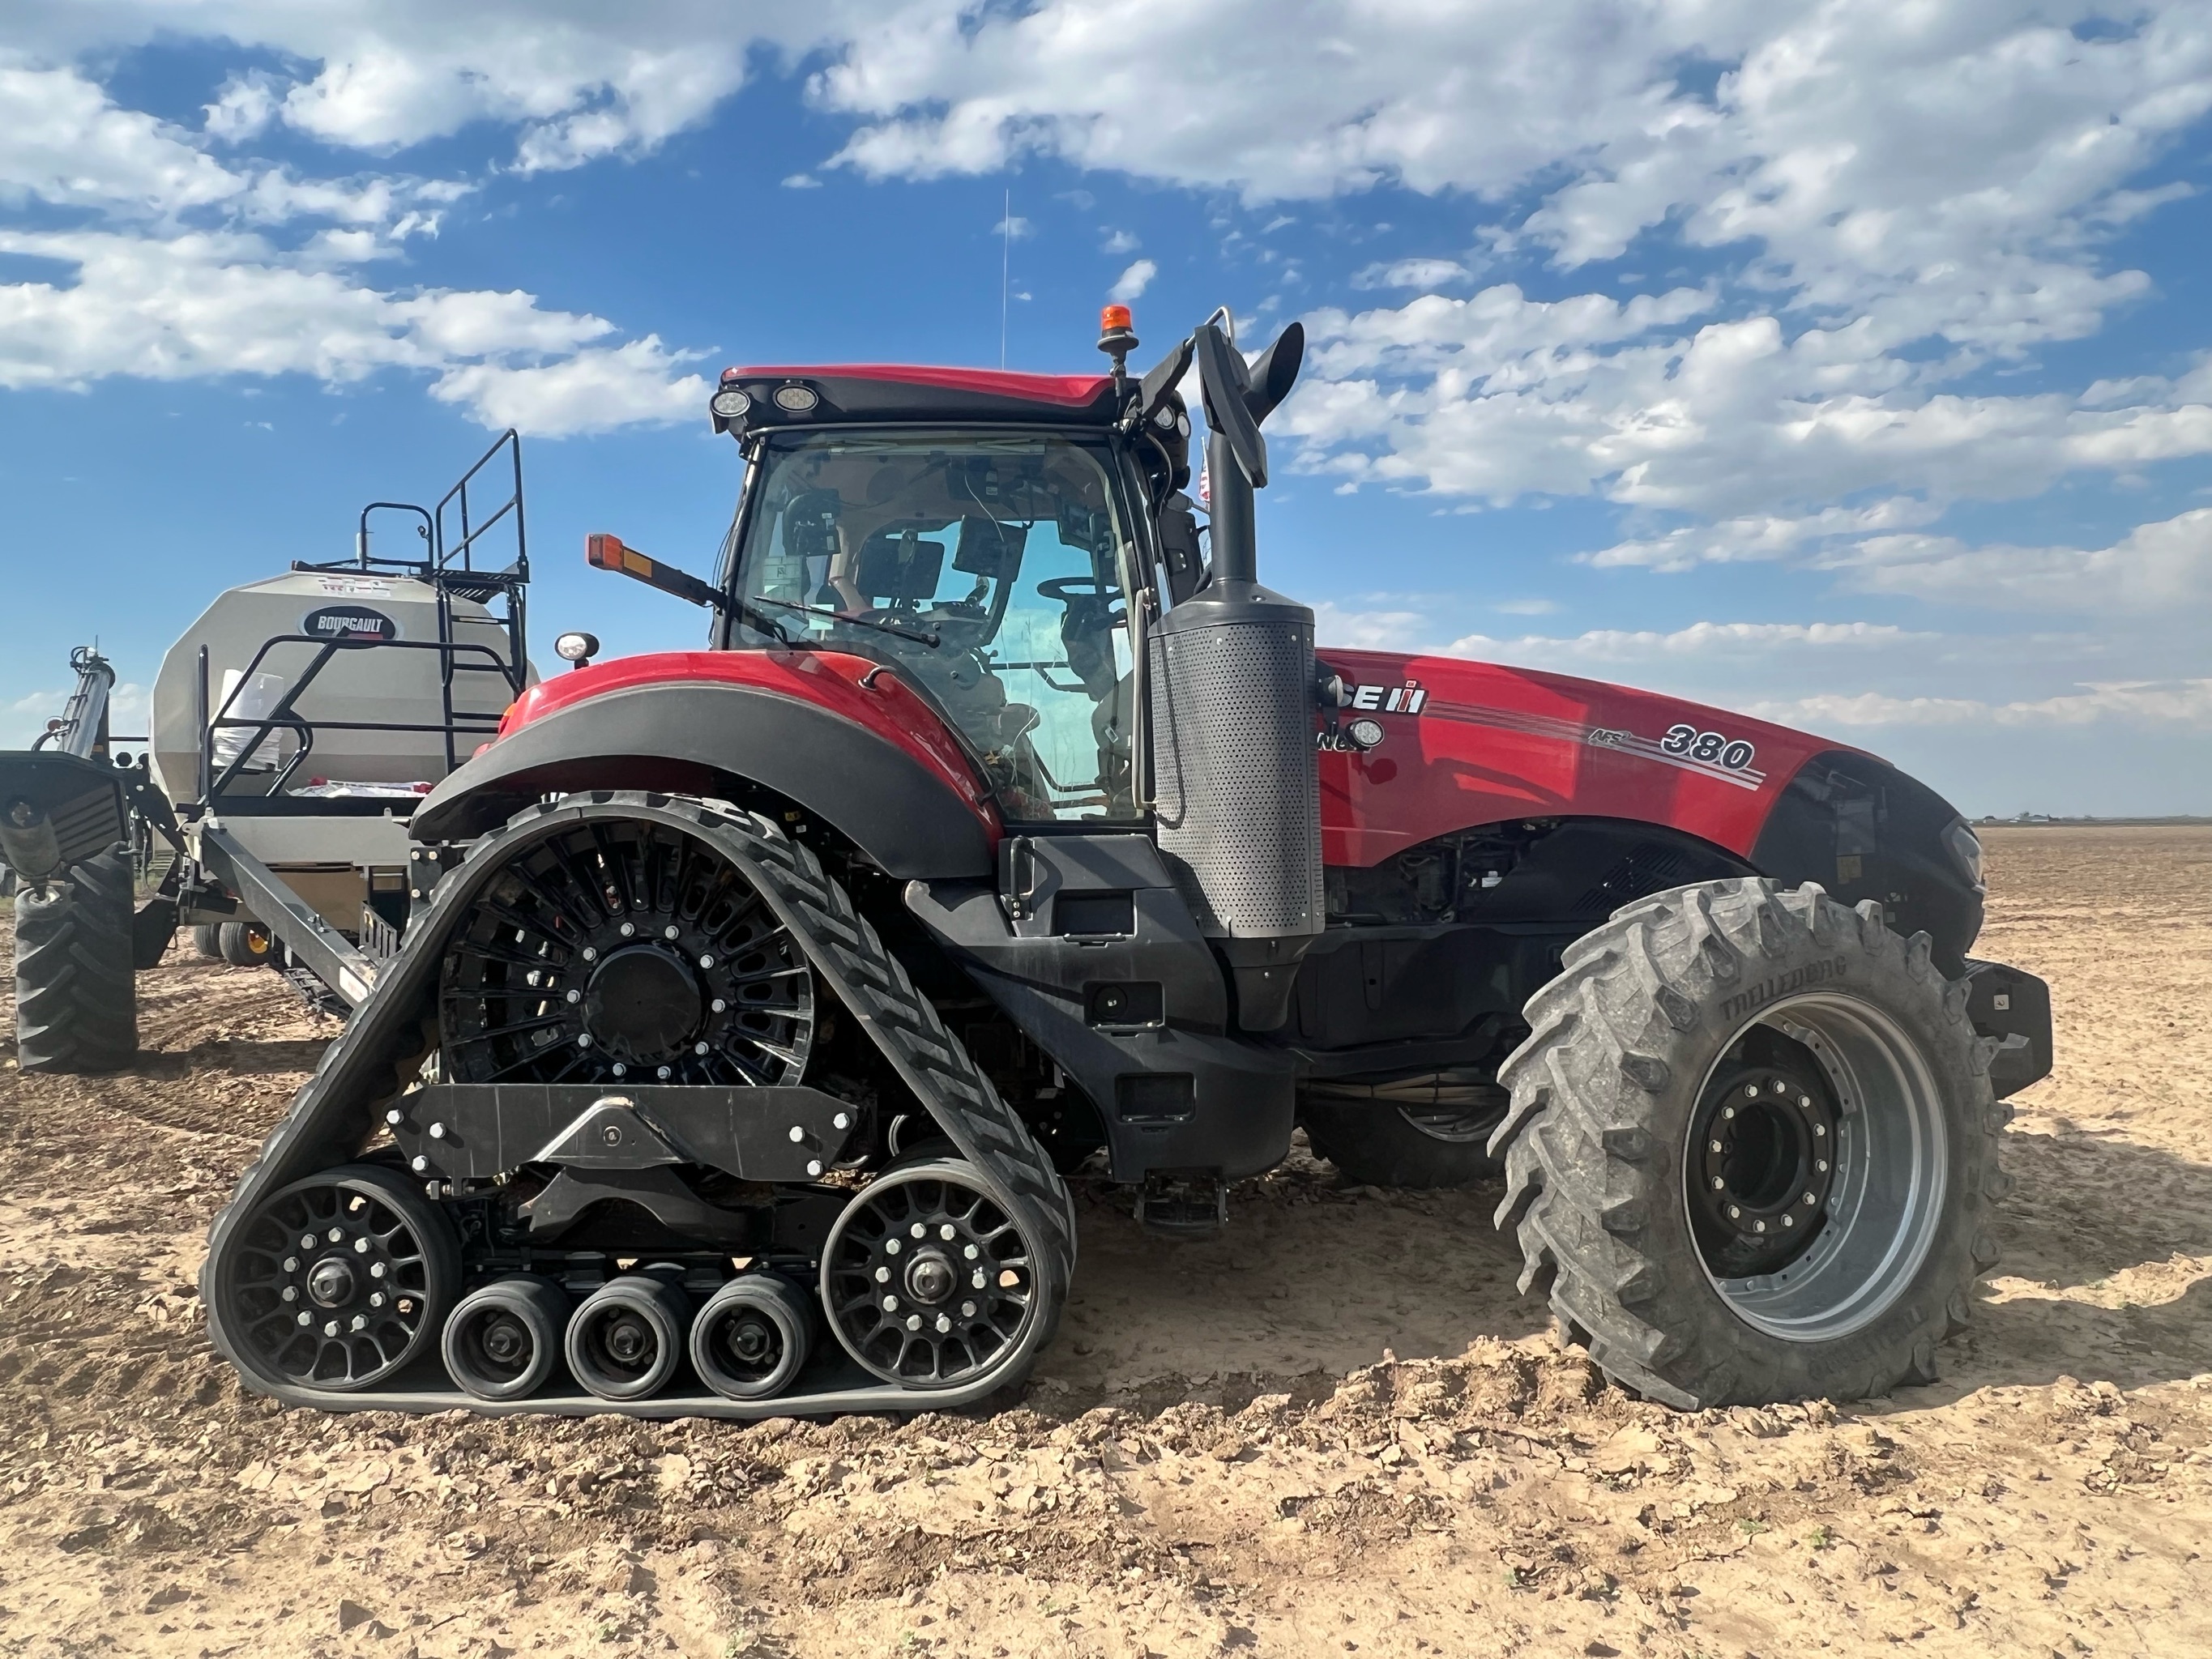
x,y
988,571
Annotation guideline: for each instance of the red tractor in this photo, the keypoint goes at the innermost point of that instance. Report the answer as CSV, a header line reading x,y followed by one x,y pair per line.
x,y
756,1000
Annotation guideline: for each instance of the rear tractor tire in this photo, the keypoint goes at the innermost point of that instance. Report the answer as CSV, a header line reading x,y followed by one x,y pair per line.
x,y
77,987
1751,1148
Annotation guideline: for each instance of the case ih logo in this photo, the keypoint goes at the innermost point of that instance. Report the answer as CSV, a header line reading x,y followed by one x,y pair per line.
x,y
1405,699
348,621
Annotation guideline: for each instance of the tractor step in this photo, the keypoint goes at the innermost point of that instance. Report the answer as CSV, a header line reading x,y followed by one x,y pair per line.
x,y
1183,1207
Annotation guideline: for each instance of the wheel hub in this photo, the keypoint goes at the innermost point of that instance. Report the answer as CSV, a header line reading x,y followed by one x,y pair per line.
x,y
630,1339
930,1277
1763,1152
506,1339
331,1285
750,1338
643,1002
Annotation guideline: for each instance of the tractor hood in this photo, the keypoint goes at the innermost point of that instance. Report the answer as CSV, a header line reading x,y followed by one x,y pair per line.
x,y
1465,743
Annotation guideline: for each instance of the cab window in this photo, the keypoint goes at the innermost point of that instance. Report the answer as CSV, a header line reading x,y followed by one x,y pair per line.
x,y
988,571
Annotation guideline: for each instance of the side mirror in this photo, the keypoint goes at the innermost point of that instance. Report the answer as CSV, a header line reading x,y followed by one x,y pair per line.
x,y
604,551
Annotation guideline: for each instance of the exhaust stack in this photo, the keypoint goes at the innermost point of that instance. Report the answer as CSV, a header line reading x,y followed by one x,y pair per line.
x,y
1232,676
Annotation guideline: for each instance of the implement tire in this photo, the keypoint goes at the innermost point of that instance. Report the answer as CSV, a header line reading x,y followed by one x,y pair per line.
x,y
207,940
76,991
1753,1148
243,945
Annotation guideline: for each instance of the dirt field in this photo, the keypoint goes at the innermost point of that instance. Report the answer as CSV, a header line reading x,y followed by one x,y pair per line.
x,y
1334,1430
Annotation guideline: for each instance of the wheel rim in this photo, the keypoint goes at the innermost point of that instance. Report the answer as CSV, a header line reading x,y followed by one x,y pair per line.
x,y
337,1282
625,950
749,1341
929,1281
1815,1168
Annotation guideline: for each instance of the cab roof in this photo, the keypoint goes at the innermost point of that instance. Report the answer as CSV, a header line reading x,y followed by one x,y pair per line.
x,y
877,393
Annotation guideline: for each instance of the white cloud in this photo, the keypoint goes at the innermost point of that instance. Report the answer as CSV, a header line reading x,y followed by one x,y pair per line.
x,y
1013,228
1412,273
588,391
200,304
2163,568
63,140
2180,702
1131,284
1119,241
802,181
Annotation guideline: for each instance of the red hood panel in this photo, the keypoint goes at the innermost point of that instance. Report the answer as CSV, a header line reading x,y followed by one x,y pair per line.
x,y
828,680
1484,744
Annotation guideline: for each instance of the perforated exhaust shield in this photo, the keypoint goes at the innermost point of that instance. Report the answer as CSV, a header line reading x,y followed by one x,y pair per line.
x,y
1233,762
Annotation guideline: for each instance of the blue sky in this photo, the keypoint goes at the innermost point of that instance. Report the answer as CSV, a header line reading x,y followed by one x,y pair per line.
x,y
1843,363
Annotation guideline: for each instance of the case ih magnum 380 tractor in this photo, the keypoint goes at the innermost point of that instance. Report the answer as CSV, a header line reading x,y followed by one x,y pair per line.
x,y
754,1000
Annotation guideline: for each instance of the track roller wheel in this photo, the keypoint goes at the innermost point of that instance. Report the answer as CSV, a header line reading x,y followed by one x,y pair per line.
x,y
929,1282
504,1340
339,1280
752,1337
627,1337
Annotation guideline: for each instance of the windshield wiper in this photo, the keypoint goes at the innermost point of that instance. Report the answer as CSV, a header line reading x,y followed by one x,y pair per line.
x,y
920,636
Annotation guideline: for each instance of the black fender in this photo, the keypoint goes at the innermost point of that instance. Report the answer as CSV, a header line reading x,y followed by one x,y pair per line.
x,y
694,738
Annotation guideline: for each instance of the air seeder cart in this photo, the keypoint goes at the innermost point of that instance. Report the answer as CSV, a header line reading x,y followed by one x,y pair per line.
x,y
760,995
294,727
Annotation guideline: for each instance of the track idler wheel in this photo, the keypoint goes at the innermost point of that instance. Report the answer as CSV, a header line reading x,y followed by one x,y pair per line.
x,y
340,1280
929,1282
504,1340
626,1339
752,1337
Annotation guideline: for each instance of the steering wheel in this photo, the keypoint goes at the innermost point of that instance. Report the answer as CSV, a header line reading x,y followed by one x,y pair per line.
x,y
1063,588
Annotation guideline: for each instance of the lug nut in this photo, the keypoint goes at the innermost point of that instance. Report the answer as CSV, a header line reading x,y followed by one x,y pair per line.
x,y
920,1230
376,1270
718,1006
628,930
976,1280
337,1234
661,1072
307,1319
814,1166
376,1298
306,1240
1820,1129
360,1247
1728,1111
418,1164
944,1324
575,996
590,955
1788,1220
1751,1090
1719,1184
291,1293
883,1275
621,1070
970,1252
914,1321
967,1310
1735,1213
892,1246
437,1131
1822,1165
706,962
1809,1199
945,1232
798,1134
331,1327
1713,1144
1759,1226
1806,1101
842,1120
291,1264
890,1304
583,1039
668,934
395,1117
699,1049
361,1322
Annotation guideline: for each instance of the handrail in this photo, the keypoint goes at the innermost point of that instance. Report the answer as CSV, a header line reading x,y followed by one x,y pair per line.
x,y
283,714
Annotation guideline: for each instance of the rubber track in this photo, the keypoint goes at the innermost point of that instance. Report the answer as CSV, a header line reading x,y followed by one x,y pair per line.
x,y
76,988
335,1112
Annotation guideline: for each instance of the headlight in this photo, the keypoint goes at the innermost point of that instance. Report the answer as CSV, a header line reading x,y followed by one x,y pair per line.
x,y
1966,849
730,402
